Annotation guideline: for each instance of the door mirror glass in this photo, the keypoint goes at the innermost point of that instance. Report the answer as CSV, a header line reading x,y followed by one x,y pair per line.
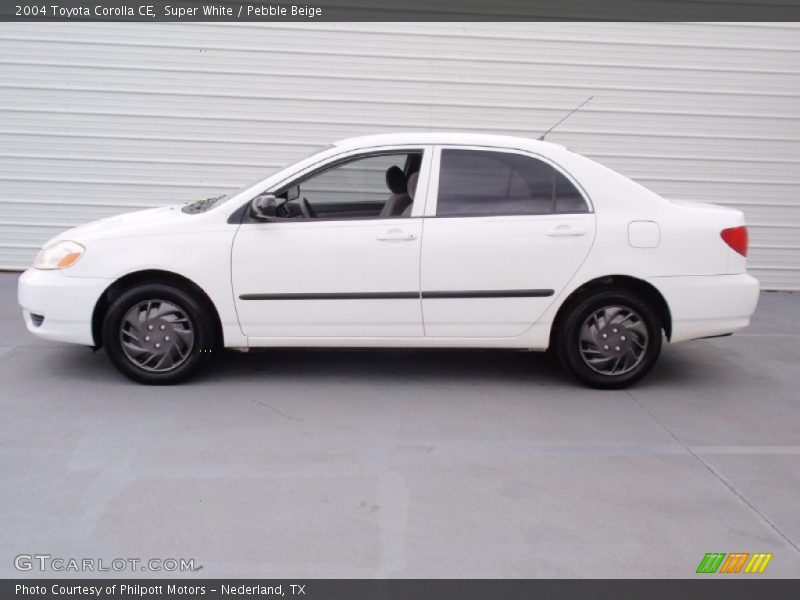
x,y
265,206
293,193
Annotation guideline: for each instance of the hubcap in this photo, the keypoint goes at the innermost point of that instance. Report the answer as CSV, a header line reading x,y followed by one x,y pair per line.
x,y
156,335
613,340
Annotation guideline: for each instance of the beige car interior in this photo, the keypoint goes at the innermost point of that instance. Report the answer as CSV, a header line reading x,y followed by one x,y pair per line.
x,y
401,201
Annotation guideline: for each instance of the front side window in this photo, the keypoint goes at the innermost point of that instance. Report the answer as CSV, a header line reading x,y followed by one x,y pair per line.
x,y
375,186
488,183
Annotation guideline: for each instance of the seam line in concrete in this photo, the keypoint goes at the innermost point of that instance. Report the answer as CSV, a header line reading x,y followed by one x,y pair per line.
x,y
11,350
716,474
276,411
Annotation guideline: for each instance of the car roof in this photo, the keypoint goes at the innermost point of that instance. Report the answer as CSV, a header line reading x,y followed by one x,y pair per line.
x,y
436,137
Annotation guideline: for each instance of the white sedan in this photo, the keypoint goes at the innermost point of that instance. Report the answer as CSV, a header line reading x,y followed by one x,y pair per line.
x,y
405,240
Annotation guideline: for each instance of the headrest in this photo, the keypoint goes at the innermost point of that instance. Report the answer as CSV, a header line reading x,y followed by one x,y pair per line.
x,y
396,180
412,184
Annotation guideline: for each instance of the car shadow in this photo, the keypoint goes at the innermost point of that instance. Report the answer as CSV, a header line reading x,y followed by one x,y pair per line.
x,y
390,365
687,366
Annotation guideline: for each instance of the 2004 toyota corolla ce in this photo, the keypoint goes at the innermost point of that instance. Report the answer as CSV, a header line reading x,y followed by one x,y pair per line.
x,y
403,240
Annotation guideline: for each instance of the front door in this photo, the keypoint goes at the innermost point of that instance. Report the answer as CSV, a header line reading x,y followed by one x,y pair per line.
x,y
343,259
505,231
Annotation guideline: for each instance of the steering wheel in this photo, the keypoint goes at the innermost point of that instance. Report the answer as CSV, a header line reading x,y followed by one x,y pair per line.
x,y
307,210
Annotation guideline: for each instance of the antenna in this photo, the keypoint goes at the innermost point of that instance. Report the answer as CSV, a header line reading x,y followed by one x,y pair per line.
x,y
568,115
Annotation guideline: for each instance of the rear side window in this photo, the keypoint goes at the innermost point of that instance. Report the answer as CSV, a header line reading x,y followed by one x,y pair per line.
x,y
486,183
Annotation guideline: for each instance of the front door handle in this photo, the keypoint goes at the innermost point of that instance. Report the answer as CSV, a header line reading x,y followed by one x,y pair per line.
x,y
396,235
565,231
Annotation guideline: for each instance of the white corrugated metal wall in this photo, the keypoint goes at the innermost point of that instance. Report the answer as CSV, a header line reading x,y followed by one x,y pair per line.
x,y
99,119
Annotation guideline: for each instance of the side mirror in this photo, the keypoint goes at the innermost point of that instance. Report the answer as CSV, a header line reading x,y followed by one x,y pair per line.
x,y
265,207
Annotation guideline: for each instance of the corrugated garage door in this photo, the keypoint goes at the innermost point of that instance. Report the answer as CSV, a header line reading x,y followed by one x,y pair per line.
x,y
95,120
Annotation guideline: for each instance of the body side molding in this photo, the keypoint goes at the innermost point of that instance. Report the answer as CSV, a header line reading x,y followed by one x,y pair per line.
x,y
543,293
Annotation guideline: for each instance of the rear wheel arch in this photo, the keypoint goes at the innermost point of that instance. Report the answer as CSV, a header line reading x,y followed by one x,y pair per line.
x,y
113,291
646,291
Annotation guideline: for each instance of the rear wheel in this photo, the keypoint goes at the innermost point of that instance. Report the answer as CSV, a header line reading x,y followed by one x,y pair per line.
x,y
610,339
156,333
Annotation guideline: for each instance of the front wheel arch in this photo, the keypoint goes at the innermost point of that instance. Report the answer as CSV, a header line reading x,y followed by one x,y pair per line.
x,y
125,282
645,290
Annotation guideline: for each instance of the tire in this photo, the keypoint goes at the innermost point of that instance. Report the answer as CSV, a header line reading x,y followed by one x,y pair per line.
x,y
630,348
158,334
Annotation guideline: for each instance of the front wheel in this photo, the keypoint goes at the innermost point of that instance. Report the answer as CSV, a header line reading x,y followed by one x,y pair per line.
x,y
158,334
610,339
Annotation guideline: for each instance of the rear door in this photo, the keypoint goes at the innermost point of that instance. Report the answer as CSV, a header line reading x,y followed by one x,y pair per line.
x,y
504,233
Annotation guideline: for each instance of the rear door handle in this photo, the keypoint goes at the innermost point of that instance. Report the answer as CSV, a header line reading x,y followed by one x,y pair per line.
x,y
565,231
395,235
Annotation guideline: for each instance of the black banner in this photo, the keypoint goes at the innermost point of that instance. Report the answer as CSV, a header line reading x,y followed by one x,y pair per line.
x,y
401,589
405,10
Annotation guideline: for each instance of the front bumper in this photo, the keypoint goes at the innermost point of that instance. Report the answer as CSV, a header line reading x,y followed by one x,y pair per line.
x,y
65,303
708,305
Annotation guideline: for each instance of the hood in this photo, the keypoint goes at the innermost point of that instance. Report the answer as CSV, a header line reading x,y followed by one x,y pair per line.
x,y
132,223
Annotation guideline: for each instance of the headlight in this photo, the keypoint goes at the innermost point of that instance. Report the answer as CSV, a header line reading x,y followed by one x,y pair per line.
x,y
59,255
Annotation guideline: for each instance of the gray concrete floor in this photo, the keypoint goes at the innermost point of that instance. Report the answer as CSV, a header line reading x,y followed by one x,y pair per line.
x,y
299,463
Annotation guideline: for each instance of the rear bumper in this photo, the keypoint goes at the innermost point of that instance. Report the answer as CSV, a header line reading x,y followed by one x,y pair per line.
x,y
708,305
63,305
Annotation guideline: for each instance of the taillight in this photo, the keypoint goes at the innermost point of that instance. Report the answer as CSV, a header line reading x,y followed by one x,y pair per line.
x,y
736,238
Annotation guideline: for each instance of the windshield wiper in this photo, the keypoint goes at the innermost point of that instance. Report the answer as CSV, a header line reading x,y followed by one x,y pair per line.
x,y
201,206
